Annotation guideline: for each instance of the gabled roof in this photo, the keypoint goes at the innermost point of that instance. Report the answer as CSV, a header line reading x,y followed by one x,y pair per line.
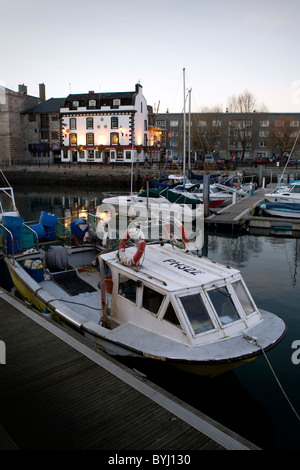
x,y
52,105
127,98
105,99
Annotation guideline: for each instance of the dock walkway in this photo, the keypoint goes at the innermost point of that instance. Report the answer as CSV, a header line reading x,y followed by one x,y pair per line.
x,y
236,214
58,393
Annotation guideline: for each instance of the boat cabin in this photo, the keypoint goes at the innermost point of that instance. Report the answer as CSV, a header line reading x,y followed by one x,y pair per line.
x,y
189,299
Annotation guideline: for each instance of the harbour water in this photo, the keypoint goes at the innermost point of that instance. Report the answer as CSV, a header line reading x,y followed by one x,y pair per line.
x,y
260,400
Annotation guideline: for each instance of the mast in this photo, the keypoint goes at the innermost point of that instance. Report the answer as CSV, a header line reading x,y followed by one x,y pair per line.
x,y
184,127
189,150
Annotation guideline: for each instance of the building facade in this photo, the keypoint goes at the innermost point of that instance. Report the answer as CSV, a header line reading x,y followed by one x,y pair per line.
x,y
245,135
41,129
12,104
106,128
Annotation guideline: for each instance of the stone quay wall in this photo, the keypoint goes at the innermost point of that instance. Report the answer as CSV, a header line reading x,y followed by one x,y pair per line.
x,y
91,175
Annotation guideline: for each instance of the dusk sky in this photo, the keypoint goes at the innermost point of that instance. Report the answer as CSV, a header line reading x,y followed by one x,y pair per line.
x,y
225,46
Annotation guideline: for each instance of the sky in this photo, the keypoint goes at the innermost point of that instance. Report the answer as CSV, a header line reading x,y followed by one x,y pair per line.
x,y
225,46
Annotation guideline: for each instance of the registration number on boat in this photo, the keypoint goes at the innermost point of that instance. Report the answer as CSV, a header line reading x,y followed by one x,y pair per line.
x,y
184,267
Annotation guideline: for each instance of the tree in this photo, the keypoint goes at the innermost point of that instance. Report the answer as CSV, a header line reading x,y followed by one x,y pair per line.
x,y
282,135
244,103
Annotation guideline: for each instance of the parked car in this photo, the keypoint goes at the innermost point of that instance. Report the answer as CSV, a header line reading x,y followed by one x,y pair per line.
x,y
291,161
209,159
262,160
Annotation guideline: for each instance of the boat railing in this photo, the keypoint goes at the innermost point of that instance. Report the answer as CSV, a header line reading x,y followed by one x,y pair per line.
x,y
34,233
4,245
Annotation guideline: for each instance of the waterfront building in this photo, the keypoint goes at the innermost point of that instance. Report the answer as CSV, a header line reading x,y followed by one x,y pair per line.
x,y
41,128
12,104
107,128
247,136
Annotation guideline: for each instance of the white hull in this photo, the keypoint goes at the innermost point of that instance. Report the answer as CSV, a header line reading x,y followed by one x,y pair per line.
x,y
135,331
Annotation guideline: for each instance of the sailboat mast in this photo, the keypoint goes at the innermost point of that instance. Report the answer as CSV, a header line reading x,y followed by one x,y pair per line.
x,y
184,127
189,150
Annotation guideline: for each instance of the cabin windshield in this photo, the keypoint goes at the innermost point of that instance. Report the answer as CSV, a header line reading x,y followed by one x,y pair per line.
x,y
295,189
243,297
224,305
196,313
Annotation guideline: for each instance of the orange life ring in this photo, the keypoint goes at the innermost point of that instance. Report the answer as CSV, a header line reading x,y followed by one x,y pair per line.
x,y
135,259
183,233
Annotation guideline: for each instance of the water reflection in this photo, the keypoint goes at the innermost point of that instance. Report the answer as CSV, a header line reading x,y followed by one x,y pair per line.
x,y
248,400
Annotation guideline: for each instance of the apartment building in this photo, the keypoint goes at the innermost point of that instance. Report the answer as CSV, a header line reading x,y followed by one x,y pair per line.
x,y
244,135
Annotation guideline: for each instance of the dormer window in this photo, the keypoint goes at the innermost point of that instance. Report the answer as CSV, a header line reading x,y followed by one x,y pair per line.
x,y
92,103
116,103
75,104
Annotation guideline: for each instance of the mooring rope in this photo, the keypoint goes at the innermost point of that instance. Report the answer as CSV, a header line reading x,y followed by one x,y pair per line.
x,y
254,340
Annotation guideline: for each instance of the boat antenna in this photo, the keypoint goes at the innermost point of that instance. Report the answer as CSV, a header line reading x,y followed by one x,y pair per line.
x,y
286,164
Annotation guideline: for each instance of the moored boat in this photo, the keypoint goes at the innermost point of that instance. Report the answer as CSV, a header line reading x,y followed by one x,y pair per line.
x,y
282,209
154,302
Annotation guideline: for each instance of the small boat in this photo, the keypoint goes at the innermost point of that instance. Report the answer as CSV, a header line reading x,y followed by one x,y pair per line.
x,y
290,194
158,201
282,209
154,302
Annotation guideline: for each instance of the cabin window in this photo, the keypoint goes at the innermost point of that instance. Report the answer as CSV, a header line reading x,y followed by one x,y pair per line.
x,y
295,189
171,316
197,313
224,305
152,300
243,297
127,288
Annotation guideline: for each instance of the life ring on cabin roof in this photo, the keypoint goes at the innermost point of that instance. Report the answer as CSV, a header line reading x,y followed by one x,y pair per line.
x,y
182,231
135,259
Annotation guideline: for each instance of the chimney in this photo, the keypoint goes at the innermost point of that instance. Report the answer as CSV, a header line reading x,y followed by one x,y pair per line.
x,y
23,89
42,91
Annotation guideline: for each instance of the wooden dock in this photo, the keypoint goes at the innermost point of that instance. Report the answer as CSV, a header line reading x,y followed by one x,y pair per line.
x,y
237,215
58,393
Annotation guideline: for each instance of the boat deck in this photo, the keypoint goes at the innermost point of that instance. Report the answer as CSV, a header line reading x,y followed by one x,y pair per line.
x,y
58,393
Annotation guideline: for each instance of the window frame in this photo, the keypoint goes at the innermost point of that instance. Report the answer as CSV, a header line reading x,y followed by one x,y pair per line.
x,y
90,139
89,123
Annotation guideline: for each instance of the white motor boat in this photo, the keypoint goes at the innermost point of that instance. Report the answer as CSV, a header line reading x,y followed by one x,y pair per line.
x,y
290,194
154,302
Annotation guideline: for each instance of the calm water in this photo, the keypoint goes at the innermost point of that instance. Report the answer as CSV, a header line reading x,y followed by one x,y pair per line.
x,y
248,400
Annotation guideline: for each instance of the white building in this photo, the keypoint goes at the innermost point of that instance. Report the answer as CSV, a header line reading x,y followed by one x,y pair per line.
x,y
105,127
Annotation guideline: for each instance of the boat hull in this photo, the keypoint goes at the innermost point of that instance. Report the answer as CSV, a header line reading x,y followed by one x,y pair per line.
x,y
280,209
129,339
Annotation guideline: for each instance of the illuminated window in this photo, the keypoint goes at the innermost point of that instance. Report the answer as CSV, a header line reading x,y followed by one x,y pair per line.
x,y
90,139
114,138
73,139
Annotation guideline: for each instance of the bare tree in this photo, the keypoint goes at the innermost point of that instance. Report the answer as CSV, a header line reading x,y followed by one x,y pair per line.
x,y
282,135
244,103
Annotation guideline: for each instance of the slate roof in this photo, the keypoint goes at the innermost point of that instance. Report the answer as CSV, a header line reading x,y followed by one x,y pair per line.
x,y
52,105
